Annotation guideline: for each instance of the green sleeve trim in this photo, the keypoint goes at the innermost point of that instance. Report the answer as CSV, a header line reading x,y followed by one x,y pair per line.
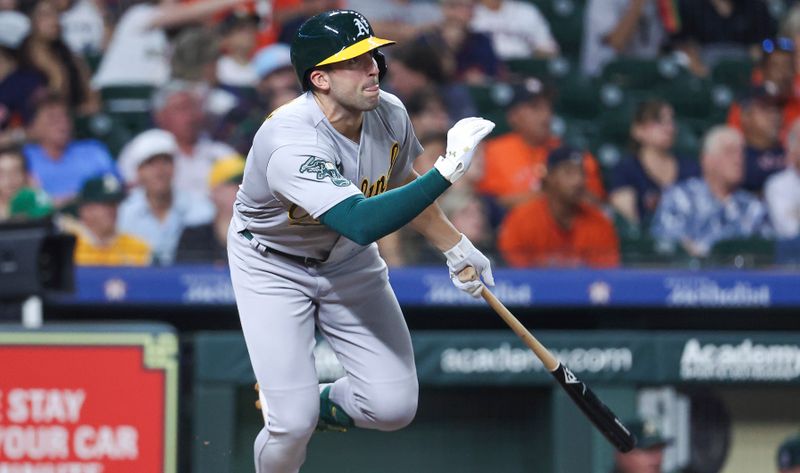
x,y
366,220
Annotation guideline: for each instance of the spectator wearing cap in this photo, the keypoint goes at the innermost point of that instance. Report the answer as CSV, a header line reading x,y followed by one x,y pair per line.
x,y
518,29
648,456
782,190
559,228
515,161
98,241
789,455
776,72
638,181
177,109
156,211
274,71
761,124
701,211
234,67
57,162
621,28
14,25
207,243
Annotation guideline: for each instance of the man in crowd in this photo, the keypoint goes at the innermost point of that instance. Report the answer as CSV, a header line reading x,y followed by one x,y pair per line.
x,y
559,228
761,124
98,241
700,211
515,162
177,109
57,162
157,211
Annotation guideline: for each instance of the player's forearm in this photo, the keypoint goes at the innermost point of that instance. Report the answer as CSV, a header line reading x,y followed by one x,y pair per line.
x,y
366,220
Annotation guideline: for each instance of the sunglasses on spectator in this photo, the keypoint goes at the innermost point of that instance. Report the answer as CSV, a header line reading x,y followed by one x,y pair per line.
x,y
770,45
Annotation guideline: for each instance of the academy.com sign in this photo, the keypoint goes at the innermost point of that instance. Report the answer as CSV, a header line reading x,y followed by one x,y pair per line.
x,y
746,361
508,359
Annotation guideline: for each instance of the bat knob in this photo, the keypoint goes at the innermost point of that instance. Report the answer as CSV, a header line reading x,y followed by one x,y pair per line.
x,y
467,274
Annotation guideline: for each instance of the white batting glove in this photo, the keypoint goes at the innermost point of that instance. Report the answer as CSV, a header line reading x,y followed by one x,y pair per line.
x,y
461,142
465,254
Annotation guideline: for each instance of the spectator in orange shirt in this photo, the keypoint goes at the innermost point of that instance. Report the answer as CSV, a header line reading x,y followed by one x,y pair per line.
x,y
776,74
559,228
515,162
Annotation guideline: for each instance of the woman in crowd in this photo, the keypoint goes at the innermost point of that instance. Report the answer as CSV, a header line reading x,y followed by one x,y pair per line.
x,y
638,180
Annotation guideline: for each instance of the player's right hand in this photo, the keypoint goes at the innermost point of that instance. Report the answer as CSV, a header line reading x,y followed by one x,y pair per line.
x,y
461,142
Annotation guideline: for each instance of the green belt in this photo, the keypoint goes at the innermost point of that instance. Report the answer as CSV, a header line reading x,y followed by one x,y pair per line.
x,y
304,260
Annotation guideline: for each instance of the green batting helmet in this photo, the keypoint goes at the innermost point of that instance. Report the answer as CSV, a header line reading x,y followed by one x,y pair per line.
x,y
334,36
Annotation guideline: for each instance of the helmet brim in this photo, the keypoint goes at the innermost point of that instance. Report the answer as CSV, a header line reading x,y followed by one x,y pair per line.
x,y
356,49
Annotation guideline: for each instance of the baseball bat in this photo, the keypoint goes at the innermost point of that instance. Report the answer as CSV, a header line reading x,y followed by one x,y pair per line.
x,y
598,413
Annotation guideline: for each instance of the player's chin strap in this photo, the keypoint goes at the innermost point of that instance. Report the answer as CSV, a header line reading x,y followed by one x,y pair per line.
x,y
331,415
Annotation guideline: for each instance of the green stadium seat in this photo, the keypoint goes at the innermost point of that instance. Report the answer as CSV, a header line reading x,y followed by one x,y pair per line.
x,y
105,128
578,97
128,106
735,73
615,124
689,97
552,70
566,24
742,253
687,142
629,73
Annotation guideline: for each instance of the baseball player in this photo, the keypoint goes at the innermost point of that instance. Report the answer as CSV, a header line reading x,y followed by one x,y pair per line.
x,y
328,174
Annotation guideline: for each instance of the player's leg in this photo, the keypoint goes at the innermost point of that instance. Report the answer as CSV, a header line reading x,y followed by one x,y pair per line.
x,y
278,323
361,319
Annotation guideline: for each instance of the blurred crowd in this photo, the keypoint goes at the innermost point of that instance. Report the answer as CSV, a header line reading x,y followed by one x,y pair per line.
x,y
630,132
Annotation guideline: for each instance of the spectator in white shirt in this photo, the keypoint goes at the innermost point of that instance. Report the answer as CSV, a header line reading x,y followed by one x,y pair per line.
x,y
234,67
782,190
138,53
518,29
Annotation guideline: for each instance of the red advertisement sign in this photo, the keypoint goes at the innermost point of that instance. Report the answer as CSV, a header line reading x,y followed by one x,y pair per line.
x,y
68,406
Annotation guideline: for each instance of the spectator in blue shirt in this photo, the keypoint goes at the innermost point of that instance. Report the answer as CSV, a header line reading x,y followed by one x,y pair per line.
x,y
57,162
638,181
155,211
700,211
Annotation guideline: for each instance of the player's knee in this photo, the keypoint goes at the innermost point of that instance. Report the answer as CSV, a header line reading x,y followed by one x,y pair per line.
x,y
297,428
394,406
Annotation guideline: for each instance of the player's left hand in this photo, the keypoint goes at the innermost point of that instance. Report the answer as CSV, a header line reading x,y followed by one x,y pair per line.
x,y
465,254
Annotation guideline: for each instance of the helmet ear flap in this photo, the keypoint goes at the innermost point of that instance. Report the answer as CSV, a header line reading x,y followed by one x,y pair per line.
x,y
381,60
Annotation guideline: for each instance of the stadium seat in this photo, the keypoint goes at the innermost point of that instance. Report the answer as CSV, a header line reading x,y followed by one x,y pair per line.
x,y
689,97
578,97
629,73
551,70
128,106
735,73
566,24
742,253
106,128
687,142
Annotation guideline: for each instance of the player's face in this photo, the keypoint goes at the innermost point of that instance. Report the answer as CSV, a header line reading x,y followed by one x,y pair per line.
x,y
354,83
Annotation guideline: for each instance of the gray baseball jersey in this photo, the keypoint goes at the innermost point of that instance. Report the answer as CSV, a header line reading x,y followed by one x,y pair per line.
x,y
299,167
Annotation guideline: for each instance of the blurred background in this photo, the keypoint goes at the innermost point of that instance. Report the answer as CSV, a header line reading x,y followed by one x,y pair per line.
x,y
640,198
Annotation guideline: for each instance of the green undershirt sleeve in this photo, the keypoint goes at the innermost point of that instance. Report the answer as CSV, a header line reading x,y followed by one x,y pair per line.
x,y
366,220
